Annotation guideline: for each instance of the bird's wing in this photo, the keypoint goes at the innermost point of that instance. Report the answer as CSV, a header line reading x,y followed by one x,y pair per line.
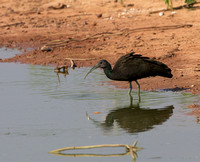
x,y
159,68
126,59
134,66
157,63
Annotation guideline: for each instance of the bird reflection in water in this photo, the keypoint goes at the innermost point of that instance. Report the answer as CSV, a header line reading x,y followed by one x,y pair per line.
x,y
135,119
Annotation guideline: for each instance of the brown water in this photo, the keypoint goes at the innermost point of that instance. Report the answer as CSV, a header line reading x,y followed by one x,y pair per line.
x,y
39,114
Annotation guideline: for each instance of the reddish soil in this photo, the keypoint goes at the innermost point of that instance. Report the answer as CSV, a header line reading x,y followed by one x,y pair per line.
x,y
103,29
195,111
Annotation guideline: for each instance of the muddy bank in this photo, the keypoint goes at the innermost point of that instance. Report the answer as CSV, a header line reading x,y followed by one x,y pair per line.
x,y
88,32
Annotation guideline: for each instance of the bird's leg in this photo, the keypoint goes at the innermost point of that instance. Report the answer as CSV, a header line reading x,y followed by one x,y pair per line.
x,y
131,98
138,85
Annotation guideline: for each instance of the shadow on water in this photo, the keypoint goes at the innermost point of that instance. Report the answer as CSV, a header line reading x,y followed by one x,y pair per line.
x,y
134,118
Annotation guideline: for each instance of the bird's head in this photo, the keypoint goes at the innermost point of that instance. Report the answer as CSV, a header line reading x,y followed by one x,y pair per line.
x,y
101,64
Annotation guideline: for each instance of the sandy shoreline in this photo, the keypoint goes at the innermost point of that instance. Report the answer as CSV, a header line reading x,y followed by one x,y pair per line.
x,y
88,32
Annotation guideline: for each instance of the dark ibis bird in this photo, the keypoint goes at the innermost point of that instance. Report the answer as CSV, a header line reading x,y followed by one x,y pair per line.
x,y
132,67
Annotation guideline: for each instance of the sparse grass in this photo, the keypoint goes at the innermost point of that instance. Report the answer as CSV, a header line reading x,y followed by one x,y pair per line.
x,y
189,3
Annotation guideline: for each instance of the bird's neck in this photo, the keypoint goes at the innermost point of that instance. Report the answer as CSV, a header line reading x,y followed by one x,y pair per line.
x,y
108,71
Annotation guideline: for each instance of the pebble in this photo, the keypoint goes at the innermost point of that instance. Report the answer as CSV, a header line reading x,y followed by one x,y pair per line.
x,y
45,48
161,13
173,12
99,15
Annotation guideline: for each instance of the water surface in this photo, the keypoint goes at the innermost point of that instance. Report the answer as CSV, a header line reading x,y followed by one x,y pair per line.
x,y
8,52
40,114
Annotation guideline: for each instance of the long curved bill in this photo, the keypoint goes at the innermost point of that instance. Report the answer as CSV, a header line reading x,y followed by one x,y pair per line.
x,y
92,69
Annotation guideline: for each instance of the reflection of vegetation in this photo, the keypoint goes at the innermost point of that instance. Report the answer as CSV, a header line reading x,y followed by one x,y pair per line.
x,y
134,119
130,149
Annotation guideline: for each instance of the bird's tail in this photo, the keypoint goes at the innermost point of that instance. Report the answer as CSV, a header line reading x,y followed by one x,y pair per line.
x,y
162,69
169,74
166,72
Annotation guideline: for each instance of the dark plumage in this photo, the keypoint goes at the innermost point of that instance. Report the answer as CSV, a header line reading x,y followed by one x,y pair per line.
x,y
132,67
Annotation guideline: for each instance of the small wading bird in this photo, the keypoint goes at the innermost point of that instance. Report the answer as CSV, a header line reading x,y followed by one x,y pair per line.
x,y
132,67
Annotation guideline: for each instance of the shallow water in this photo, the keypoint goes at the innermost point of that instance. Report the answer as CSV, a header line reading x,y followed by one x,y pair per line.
x,y
8,52
39,114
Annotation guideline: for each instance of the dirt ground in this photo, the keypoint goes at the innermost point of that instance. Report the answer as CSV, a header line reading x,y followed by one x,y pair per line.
x,y
87,31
